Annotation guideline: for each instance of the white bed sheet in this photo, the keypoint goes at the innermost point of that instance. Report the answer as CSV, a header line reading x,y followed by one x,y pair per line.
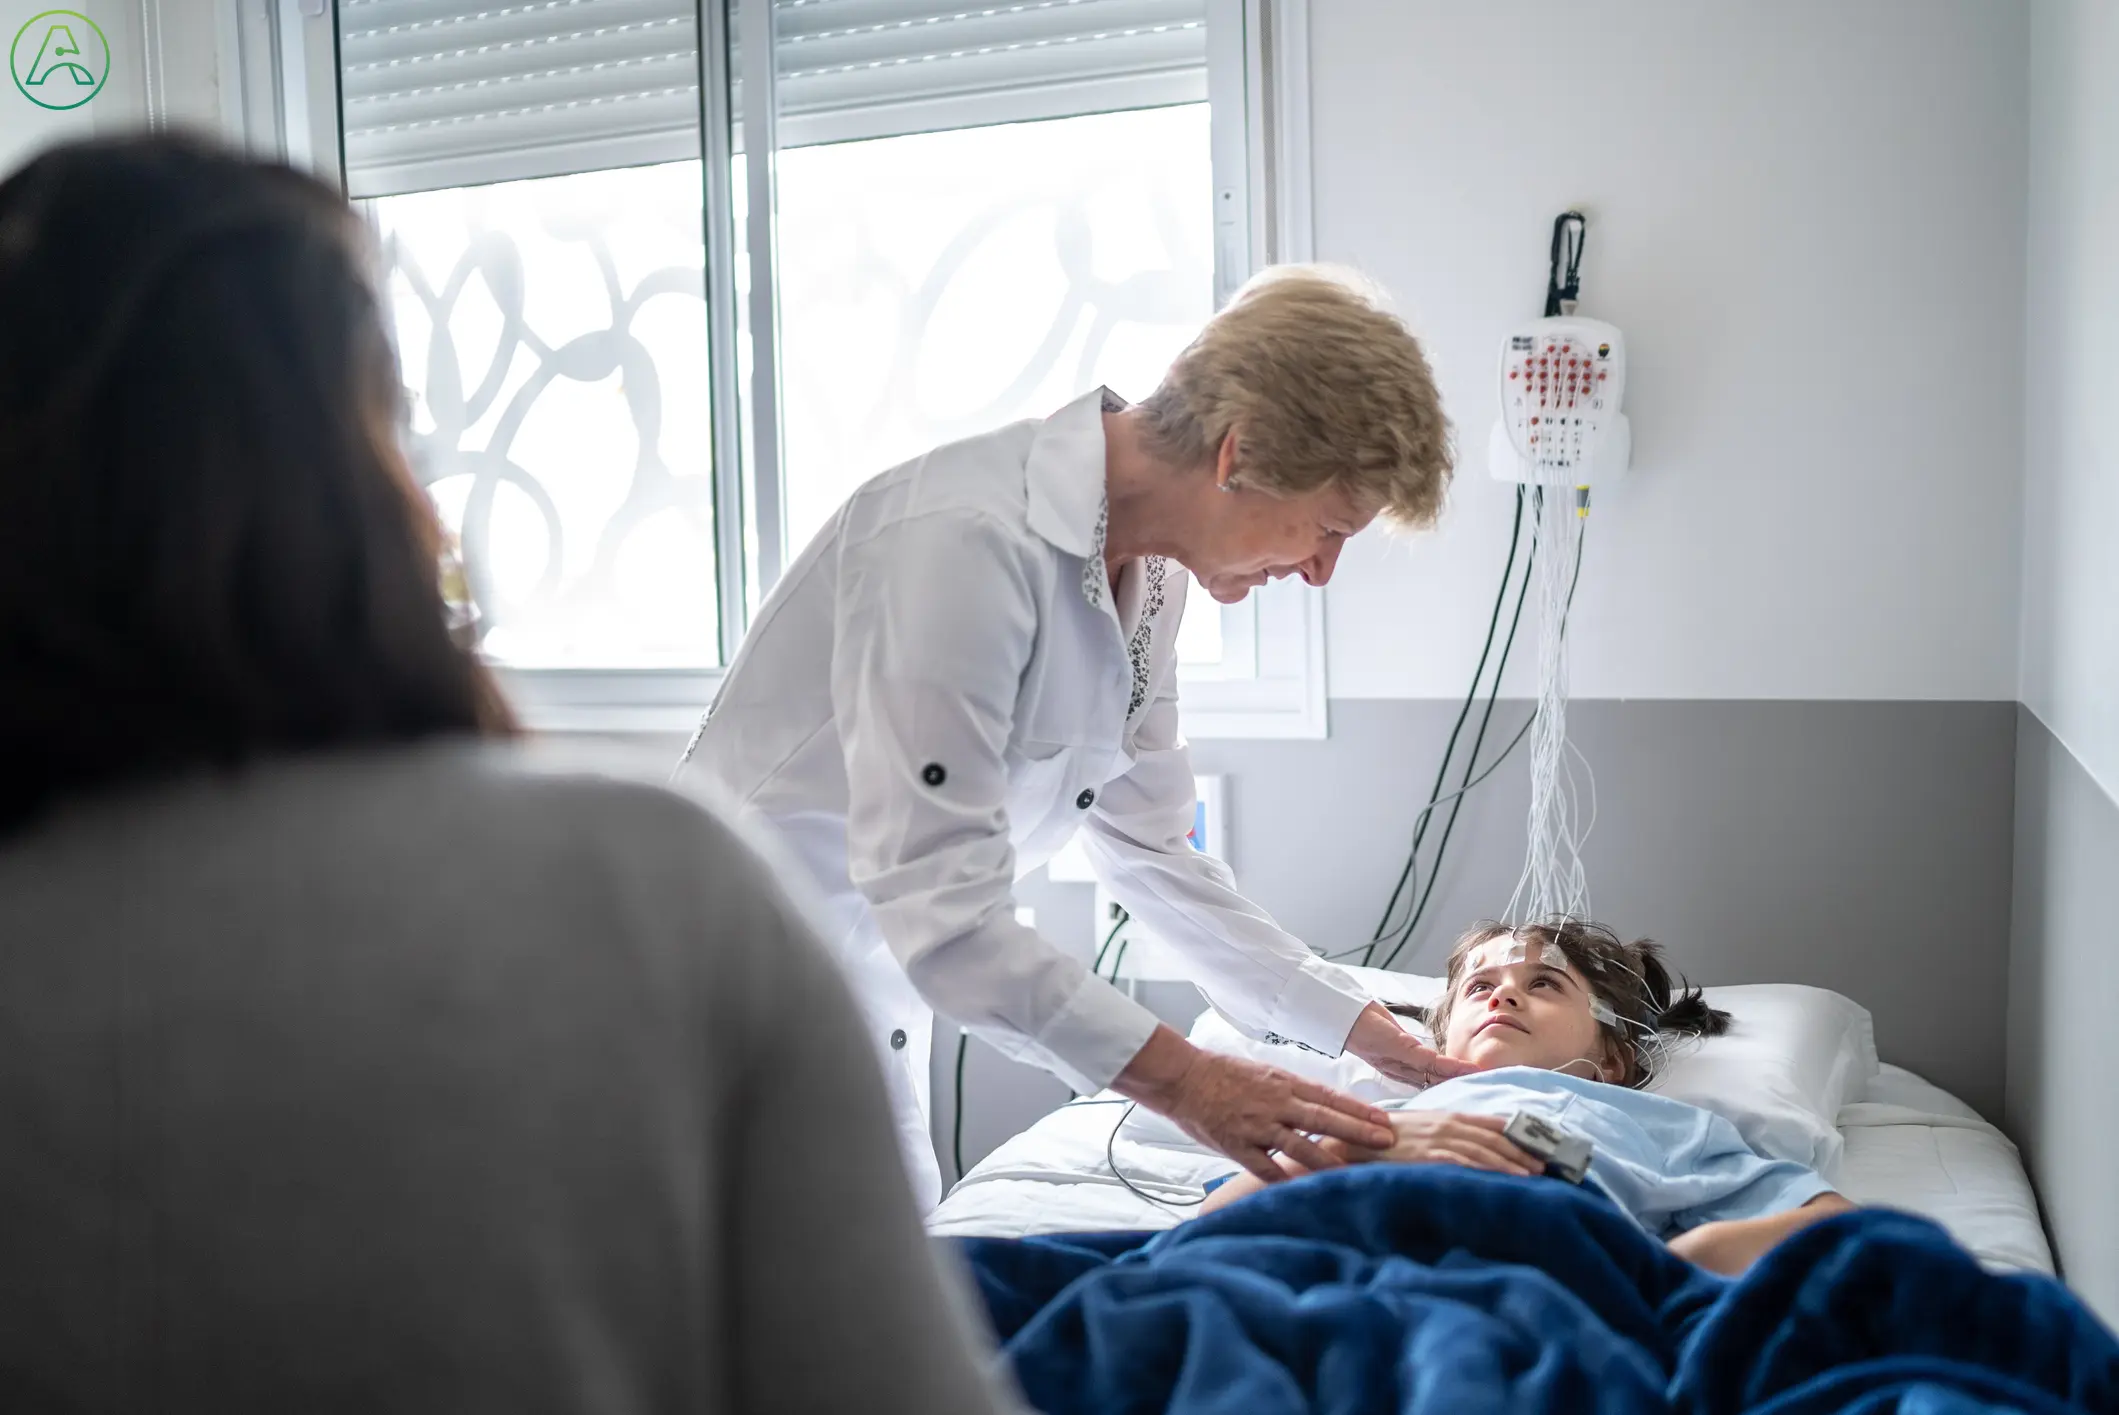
x,y
1909,1145
1912,1145
1055,1177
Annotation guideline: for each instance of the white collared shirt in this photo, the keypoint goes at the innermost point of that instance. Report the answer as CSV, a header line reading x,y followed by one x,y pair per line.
x,y
938,696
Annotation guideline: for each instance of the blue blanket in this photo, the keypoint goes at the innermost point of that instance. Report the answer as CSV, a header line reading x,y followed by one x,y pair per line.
x,y
1429,1288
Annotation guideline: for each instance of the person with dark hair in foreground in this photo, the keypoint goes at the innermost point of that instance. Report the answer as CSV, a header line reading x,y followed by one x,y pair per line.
x,y
356,1058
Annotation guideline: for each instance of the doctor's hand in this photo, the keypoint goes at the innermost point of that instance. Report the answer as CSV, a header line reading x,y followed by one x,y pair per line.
x,y
1378,1039
1247,1110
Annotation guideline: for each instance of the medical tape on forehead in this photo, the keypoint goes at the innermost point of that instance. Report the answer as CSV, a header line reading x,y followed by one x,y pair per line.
x,y
1508,949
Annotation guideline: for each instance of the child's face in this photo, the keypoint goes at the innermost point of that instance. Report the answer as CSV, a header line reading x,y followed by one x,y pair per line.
x,y
1524,1014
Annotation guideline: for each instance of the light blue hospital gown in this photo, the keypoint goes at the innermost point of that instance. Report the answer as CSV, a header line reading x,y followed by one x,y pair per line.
x,y
1671,1165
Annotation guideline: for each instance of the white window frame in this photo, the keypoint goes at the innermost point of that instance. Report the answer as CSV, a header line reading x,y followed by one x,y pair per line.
x,y
279,60
1285,697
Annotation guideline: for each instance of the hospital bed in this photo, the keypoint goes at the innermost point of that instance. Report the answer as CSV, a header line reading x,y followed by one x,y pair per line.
x,y
1798,1074
1432,1288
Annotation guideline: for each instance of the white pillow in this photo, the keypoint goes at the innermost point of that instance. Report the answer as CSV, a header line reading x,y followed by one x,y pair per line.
x,y
1792,1057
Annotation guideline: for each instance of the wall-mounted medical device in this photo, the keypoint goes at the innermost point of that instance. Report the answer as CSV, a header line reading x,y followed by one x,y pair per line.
x,y
1561,383
1562,380
1561,433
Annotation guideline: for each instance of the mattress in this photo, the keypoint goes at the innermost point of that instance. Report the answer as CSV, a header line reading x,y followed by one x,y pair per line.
x,y
1909,1145
1914,1146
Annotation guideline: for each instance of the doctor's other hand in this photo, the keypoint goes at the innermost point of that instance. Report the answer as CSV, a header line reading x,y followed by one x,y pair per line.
x,y
1379,1039
1245,1109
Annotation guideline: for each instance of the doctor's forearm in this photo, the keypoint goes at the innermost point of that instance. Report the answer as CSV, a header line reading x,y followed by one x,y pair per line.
x,y
1157,1070
1256,973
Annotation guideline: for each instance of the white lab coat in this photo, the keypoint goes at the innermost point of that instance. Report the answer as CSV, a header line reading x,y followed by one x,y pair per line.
x,y
936,696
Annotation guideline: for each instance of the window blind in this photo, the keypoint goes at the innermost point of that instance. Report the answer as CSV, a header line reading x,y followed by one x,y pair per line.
x,y
449,93
851,69
443,93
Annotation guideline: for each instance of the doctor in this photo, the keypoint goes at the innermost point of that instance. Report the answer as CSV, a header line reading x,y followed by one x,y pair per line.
x,y
976,659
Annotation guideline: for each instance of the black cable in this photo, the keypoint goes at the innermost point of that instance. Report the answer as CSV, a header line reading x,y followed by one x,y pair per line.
x,y
1574,580
1121,921
1386,931
1566,612
1111,1159
1118,962
1563,285
1384,927
1563,281
963,1043
1429,809
1435,874
1449,826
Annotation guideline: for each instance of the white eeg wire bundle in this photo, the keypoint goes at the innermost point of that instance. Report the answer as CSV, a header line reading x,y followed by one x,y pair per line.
x,y
1554,884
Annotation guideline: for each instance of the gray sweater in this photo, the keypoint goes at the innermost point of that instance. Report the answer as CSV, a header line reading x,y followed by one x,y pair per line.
x,y
439,1080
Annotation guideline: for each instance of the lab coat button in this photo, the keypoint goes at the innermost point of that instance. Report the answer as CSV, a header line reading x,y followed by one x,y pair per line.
x,y
934,775
897,1040
1084,801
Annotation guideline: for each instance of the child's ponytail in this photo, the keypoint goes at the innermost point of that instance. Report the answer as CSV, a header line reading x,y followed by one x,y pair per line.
x,y
1690,1016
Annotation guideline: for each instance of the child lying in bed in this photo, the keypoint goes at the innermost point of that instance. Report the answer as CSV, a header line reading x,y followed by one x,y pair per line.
x,y
1567,1022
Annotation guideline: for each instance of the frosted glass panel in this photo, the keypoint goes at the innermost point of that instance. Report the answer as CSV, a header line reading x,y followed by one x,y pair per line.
x,y
938,285
553,339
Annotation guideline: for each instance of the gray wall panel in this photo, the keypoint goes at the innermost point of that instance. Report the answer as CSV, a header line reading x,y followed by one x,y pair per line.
x,y
1859,846
2063,1004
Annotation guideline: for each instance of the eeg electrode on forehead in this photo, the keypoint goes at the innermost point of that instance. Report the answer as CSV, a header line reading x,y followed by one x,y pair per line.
x,y
1505,950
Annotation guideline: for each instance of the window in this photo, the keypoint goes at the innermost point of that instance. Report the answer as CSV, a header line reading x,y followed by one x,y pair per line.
x,y
642,370
549,332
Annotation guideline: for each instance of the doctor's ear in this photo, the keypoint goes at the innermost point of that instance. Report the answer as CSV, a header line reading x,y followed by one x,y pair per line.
x,y
1225,461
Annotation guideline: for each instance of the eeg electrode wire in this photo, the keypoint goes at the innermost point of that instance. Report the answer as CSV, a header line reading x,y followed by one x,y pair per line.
x,y
1552,834
1400,937
1409,875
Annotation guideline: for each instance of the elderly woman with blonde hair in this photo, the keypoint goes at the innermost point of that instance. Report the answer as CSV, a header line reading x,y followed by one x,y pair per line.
x,y
975,660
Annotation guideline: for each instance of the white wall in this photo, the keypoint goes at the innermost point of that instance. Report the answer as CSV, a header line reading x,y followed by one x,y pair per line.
x,y
2071,495
164,66
1808,217
26,129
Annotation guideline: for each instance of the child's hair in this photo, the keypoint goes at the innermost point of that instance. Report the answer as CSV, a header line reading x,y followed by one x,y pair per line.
x,y
1628,978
